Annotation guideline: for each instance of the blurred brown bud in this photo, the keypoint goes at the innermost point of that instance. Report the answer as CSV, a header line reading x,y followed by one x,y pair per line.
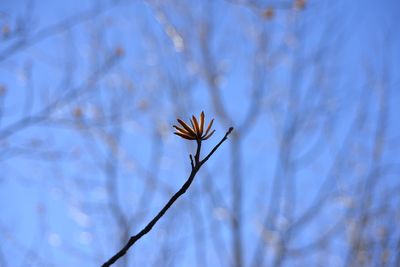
x,y
40,208
300,4
269,13
385,256
143,104
3,89
382,233
119,51
77,112
5,31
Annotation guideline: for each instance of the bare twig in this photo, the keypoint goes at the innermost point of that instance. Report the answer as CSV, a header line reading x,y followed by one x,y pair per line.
x,y
195,168
73,94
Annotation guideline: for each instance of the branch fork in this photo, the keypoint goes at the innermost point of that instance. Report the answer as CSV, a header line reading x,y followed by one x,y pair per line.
x,y
196,164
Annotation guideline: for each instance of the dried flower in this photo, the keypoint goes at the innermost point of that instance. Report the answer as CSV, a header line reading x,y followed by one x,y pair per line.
x,y
269,13
196,131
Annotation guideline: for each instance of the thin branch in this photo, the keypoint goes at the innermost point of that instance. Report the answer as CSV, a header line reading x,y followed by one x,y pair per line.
x,y
52,30
68,97
191,161
197,165
216,147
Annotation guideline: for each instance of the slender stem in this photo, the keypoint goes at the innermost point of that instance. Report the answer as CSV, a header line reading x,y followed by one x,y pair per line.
x,y
197,165
217,146
197,156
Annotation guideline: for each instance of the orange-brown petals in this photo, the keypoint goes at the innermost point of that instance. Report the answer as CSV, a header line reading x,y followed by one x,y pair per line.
x,y
208,136
185,136
209,126
196,131
196,126
179,129
187,127
201,122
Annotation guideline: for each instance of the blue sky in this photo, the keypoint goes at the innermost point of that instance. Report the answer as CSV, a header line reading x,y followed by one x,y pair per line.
x,y
53,195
